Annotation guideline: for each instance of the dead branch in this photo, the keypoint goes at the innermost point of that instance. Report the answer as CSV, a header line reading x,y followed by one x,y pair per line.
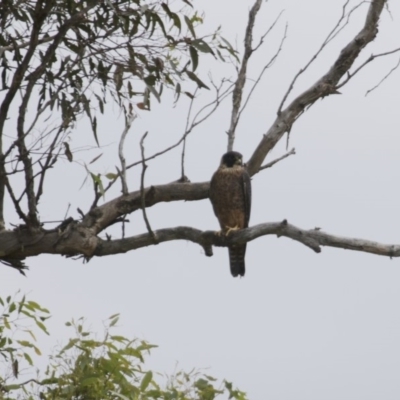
x,y
73,239
268,65
384,78
100,217
331,35
198,118
187,129
142,192
325,86
371,58
15,201
262,38
273,162
241,80
129,118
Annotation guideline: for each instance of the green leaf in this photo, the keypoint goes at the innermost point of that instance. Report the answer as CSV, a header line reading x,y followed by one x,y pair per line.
x,y
21,304
31,333
155,394
6,323
96,158
150,80
37,351
12,308
89,381
101,103
28,358
118,338
177,91
154,93
194,55
173,16
190,26
94,129
202,46
42,327
114,321
49,381
121,396
71,343
97,180
111,176
146,346
194,78
146,380
8,388
230,49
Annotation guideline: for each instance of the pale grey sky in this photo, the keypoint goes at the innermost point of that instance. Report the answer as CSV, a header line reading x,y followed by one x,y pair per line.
x,y
300,325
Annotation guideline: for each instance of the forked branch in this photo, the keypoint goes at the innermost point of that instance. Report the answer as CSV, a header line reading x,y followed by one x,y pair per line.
x,y
325,86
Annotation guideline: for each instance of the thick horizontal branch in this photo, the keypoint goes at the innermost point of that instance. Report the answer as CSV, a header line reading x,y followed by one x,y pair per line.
x,y
313,238
73,239
101,217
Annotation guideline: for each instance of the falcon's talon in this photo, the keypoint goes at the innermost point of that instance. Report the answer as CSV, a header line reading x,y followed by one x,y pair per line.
x,y
231,229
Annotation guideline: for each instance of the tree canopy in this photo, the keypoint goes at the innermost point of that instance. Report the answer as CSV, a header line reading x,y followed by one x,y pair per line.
x,y
112,367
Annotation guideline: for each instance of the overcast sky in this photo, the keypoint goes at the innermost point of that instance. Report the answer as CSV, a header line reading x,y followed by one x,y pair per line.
x,y
300,325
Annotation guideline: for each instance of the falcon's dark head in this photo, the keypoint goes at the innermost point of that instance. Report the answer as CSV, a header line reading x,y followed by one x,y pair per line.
x,y
231,159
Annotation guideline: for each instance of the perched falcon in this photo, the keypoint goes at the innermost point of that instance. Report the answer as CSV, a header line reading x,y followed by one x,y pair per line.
x,y
230,195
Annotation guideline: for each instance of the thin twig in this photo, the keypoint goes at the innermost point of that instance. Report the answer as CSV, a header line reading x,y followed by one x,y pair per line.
x,y
269,64
260,43
273,162
142,192
129,118
48,164
220,97
330,36
371,58
384,78
185,134
17,207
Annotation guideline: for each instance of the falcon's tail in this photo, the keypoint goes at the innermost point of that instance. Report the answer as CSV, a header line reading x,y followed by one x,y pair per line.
x,y
236,259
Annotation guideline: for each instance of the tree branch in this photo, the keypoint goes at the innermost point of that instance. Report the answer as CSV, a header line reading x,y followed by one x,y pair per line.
x,y
142,193
241,80
370,59
325,86
273,162
100,217
39,17
73,239
129,118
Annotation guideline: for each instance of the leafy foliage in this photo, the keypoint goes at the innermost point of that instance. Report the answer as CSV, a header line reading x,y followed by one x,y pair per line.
x,y
88,368
69,59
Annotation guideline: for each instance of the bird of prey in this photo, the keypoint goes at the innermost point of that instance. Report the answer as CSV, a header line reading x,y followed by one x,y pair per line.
x,y
230,195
